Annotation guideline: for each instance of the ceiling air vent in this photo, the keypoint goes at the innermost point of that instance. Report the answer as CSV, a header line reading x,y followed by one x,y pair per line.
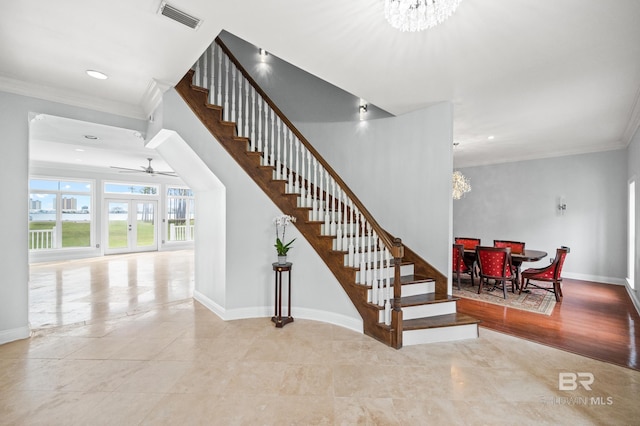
x,y
178,15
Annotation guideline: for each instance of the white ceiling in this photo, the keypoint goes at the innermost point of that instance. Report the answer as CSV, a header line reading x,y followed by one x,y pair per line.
x,y
544,78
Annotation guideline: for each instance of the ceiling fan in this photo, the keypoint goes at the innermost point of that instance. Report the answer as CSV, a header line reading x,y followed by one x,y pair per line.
x,y
146,169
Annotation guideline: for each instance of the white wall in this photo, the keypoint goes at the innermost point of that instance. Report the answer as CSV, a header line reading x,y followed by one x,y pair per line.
x,y
14,173
518,201
248,290
400,168
633,156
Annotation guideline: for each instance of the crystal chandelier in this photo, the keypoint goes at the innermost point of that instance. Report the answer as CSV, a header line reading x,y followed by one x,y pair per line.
x,y
461,185
418,15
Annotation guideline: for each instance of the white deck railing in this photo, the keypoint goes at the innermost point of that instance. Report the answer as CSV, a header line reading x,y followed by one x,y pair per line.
x,y
40,239
181,232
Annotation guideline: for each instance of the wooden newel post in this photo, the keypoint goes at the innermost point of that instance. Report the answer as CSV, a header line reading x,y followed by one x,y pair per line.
x,y
396,313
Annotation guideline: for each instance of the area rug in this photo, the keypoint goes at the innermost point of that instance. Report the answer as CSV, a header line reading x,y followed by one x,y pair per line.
x,y
538,301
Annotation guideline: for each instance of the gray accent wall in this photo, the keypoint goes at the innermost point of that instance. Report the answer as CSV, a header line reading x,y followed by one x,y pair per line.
x,y
518,201
400,168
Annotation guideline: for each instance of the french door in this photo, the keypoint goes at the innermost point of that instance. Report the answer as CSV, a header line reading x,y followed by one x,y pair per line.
x,y
131,226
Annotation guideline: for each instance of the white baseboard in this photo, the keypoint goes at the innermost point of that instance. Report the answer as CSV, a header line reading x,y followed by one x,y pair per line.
x,y
14,334
634,298
354,324
594,278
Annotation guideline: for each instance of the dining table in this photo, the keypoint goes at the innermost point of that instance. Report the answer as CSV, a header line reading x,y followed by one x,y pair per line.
x,y
517,259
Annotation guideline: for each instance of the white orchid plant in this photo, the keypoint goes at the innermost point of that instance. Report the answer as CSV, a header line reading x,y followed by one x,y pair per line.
x,y
282,222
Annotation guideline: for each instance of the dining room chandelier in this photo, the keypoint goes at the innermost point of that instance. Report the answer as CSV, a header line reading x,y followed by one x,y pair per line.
x,y
418,15
461,185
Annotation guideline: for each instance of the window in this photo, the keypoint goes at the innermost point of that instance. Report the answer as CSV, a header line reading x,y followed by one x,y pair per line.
x,y
60,214
180,214
125,188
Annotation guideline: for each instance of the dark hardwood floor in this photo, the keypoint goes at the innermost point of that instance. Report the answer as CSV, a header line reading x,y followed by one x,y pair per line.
x,y
595,320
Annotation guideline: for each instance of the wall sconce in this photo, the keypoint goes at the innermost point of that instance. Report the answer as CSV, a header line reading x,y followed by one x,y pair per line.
x,y
263,54
562,205
362,109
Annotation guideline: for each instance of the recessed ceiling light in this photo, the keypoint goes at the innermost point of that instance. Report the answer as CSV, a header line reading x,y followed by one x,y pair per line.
x,y
91,137
97,74
79,150
491,137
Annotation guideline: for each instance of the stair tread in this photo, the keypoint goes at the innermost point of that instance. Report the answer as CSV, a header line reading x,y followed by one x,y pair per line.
x,y
425,299
413,279
446,320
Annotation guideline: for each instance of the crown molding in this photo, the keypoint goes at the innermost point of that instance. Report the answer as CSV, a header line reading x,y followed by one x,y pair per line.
x,y
634,121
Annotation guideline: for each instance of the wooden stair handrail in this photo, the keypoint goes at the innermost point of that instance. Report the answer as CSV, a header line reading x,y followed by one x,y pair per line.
x,y
395,250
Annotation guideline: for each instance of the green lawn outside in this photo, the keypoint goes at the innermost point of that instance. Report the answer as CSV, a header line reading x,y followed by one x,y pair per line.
x,y
78,234
118,234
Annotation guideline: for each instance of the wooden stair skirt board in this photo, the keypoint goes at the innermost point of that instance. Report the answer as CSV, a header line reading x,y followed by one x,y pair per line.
x,y
429,312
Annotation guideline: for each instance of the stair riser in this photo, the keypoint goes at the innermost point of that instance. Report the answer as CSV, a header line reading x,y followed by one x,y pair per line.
x,y
415,289
440,334
412,289
404,270
428,310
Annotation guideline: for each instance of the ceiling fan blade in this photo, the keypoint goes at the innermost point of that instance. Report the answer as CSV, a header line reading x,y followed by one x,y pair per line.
x,y
172,174
125,169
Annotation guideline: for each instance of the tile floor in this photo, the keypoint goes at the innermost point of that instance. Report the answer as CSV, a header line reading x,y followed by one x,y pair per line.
x,y
137,349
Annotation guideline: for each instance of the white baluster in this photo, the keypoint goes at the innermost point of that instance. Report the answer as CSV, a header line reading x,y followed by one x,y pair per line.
x,y
327,215
373,282
364,271
233,93
387,302
219,94
240,112
350,248
279,150
272,140
369,252
332,227
285,168
196,75
309,201
253,119
212,69
379,270
356,241
345,221
265,134
296,186
246,108
227,113
339,222
260,129
314,205
290,163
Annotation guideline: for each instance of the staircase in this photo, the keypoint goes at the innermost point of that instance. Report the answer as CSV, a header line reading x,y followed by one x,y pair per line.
x,y
364,258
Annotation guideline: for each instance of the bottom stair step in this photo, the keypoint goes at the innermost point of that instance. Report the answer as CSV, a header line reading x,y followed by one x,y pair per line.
x,y
440,328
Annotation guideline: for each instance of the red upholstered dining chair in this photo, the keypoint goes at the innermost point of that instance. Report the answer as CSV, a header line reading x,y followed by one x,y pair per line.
x,y
469,259
515,246
494,263
550,274
459,267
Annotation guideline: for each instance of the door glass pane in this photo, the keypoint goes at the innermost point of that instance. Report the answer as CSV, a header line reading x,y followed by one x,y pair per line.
x,y
145,224
118,224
